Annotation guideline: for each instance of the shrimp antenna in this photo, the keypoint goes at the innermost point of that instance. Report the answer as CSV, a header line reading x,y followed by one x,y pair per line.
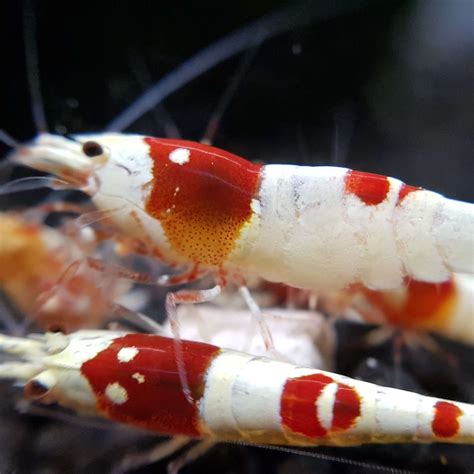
x,y
343,131
329,458
160,114
31,183
272,24
8,140
7,317
32,67
227,96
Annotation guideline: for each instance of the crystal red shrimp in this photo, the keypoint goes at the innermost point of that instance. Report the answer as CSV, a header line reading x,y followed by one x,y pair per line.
x,y
309,227
45,273
133,379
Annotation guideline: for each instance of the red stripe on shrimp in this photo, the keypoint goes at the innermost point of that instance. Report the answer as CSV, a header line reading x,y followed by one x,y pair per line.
x,y
299,409
370,188
346,408
445,423
423,305
136,381
202,197
405,190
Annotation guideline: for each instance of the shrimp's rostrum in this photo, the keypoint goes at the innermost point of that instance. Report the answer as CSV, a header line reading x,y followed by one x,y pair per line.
x,y
309,227
133,379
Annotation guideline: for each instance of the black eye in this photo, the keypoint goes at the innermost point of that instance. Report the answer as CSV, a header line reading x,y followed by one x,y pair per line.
x,y
92,149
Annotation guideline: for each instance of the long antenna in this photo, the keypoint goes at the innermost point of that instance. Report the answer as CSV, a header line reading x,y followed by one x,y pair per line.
x,y
326,457
343,131
160,114
296,15
227,96
32,67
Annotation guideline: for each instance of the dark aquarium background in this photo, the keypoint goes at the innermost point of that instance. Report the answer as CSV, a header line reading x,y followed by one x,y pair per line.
x,y
382,86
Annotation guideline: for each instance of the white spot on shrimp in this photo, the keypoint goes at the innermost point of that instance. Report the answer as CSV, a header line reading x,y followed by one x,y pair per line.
x,y
126,354
116,393
325,405
140,378
180,156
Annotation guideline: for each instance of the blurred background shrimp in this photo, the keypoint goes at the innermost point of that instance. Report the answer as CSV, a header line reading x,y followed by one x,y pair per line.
x,y
46,275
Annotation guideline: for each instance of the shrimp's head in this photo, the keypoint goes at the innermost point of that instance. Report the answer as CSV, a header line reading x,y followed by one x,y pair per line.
x,y
51,366
106,163
74,163
115,169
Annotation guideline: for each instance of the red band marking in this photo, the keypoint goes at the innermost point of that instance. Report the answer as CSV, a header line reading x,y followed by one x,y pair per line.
x,y
203,203
346,408
155,398
299,411
445,423
424,304
298,404
370,188
405,190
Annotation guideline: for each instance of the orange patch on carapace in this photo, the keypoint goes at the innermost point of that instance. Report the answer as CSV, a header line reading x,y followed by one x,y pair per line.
x,y
370,188
203,202
299,411
154,398
445,422
424,305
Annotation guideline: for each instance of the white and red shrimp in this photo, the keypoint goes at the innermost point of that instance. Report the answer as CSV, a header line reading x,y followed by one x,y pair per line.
x,y
309,227
213,212
133,379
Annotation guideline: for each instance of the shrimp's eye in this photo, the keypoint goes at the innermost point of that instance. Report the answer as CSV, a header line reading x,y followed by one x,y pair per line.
x,y
92,149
